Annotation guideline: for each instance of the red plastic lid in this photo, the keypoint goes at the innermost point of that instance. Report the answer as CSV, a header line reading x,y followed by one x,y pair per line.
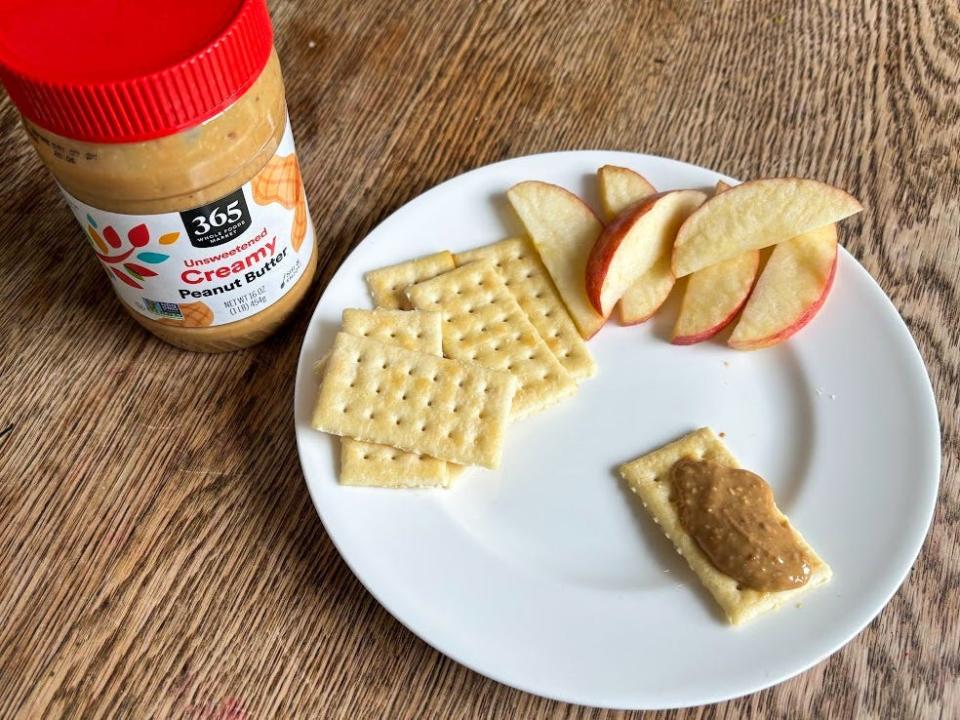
x,y
114,71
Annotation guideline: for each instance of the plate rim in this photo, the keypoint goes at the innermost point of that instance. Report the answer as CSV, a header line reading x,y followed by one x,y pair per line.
x,y
304,366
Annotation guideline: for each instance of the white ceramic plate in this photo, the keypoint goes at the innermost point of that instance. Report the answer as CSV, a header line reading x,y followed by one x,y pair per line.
x,y
545,575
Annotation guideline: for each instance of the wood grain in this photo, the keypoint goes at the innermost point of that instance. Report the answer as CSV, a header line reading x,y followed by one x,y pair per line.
x,y
159,555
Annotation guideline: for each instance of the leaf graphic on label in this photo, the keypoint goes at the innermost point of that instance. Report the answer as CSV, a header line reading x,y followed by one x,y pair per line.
x,y
97,240
152,257
111,236
138,235
139,270
91,221
169,238
127,279
116,258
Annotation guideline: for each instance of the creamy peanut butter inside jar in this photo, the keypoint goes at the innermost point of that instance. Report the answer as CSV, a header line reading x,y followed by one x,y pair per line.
x,y
165,127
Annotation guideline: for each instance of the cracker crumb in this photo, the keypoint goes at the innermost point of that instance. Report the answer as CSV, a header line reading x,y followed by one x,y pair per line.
x,y
722,434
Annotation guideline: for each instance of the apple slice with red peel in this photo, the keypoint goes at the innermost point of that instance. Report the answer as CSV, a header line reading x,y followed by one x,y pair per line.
x,y
620,188
713,297
755,215
564,230
631,244
648,292
715,294
792,287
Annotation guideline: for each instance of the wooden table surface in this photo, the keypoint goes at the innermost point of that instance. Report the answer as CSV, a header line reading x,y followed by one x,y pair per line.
x,y
159,554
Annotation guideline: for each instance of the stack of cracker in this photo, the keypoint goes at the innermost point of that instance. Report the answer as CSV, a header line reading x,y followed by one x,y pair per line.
x,y
458,346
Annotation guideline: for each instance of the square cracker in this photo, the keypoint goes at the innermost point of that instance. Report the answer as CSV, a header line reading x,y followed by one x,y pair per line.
x,y
483,323
373,465
410,329
517,262
650,477
387,284
413,401
370,465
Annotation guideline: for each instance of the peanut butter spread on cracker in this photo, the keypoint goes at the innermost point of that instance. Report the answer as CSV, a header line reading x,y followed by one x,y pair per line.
x,y
732,516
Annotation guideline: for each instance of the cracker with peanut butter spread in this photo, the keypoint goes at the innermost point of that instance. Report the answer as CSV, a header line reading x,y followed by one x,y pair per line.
x,y
689,487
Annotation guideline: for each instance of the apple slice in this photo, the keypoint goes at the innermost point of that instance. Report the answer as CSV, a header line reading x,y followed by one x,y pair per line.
x,y
563,229
648,292
620,188
713,297
754,215
631,244
792,287
715,294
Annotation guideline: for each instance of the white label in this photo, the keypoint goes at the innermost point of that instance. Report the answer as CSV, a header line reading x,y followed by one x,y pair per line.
x,y
209,265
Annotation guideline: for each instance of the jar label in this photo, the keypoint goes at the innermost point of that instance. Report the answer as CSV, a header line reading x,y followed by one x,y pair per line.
x,y
214,264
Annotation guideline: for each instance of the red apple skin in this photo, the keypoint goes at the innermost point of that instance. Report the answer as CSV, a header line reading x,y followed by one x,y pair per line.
x,y
804,318
606,247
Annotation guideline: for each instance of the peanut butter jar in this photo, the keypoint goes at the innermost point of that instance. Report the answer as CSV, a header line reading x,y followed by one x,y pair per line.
x,y
165,127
